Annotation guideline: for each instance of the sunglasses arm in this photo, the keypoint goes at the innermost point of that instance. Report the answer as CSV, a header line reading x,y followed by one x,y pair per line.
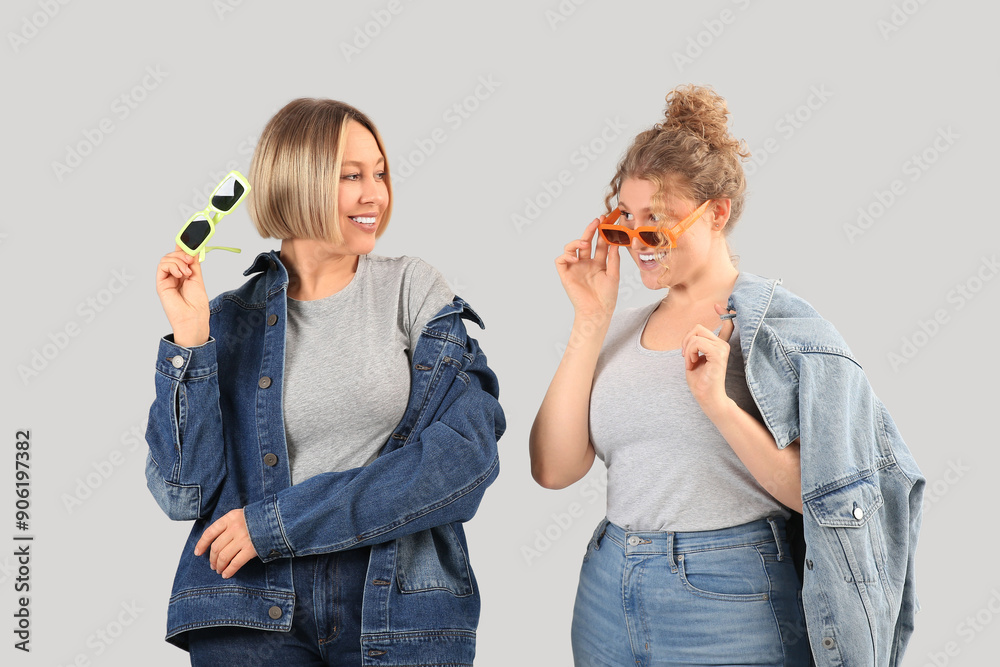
x,y
201,255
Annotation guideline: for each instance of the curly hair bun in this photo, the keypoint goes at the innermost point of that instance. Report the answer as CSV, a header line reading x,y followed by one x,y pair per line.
x,y
702,112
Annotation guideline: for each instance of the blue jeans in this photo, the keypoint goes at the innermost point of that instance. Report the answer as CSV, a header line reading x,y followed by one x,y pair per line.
x,y
715,597
326,621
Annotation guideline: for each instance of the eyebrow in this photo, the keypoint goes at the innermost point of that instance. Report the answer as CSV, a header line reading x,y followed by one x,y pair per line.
x,y
356,163
624,206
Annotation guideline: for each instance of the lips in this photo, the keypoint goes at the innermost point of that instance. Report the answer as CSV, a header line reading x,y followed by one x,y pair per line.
x,y
366,222
649,261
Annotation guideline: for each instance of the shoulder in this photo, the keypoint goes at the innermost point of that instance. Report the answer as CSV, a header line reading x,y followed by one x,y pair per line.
x,y
629,320
407,269
251,294
799,327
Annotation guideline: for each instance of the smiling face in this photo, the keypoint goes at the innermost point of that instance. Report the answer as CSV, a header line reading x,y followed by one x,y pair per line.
x,y
665,267
362,196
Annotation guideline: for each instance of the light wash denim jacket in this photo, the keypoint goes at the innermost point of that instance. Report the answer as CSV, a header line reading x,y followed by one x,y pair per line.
x,y
861,489
217,442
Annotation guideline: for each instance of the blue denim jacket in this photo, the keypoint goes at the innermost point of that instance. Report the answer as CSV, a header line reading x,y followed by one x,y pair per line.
x,y
861,489
216,442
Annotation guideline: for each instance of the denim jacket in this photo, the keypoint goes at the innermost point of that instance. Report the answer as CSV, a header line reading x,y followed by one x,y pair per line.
x,y
861,489
217,442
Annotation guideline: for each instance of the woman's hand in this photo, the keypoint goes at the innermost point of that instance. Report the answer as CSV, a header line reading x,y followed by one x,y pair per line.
x,y
590,282
183,296
230,542
706,372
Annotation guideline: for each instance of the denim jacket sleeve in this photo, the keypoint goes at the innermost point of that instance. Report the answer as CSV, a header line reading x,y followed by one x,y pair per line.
x,y
186,464
437,477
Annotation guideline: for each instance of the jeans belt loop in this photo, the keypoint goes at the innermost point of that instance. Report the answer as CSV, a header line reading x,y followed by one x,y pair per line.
x,y
670,551
777,536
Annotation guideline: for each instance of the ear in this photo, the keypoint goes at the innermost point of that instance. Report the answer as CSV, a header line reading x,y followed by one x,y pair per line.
x,y
718,212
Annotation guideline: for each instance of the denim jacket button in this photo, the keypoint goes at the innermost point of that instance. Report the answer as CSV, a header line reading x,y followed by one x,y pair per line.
x,y
270,459
177,361
859,513
264,382
828,642
274,612
809,564
272,319
274,554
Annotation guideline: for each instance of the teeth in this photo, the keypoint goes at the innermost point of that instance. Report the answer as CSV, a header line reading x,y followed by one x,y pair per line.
x,y
363,221
650,257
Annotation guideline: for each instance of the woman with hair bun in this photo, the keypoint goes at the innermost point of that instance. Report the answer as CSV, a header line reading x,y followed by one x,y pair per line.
x,y
762,508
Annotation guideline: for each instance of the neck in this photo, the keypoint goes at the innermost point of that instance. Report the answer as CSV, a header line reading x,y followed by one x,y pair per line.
x,y
713,282
316,269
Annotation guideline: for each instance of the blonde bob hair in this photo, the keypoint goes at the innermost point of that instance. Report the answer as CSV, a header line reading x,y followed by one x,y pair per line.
x,y
295,170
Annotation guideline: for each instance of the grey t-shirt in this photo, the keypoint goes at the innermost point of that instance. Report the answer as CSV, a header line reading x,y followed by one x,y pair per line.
x,y
347,362
669,468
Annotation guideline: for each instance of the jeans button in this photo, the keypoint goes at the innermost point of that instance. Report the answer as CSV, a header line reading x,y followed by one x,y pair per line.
x,y
274,612
633,540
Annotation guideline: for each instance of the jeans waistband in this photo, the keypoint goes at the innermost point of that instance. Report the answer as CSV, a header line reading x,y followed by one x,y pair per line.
x,y
768,529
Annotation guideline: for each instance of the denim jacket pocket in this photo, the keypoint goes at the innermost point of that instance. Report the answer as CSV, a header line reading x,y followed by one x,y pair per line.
x,y
433,560
852,515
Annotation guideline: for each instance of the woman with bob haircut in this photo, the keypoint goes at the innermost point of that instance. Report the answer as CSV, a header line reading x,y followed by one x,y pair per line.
x,y
762,508
328,425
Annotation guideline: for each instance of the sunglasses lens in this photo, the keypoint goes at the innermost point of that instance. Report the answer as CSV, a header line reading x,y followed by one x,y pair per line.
x,y
652,239
228,194
615,236
196,232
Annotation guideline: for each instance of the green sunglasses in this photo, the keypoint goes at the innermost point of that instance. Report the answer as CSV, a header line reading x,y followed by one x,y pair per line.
x,y
200,227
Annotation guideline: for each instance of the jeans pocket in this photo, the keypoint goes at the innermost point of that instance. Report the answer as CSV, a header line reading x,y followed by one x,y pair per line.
x,y
595,539
433,559
736,574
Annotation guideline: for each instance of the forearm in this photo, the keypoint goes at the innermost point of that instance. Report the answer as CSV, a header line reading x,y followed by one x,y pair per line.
x,y
777,470
437,479
186,465
437,476
559,443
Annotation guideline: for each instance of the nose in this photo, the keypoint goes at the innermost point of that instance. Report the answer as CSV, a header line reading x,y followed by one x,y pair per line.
x,y
373,192
637,245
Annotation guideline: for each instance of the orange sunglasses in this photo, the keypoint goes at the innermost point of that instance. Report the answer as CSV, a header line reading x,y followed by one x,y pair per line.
x,y
652,236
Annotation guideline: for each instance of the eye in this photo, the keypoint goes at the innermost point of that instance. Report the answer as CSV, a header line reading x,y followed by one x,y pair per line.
x,y
626,216
350,177
379,175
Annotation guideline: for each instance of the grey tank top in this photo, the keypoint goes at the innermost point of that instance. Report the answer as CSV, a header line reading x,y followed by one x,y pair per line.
x,y
669,468
347,362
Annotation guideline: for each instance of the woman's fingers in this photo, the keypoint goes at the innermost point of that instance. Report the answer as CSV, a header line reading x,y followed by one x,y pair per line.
x,y
614,262
701,341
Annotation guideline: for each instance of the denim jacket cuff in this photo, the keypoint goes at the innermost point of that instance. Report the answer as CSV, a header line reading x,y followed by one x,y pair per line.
x,y
265,531
185,363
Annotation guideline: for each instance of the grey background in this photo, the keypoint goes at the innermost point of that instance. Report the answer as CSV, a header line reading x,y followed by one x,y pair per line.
x,y
226,67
